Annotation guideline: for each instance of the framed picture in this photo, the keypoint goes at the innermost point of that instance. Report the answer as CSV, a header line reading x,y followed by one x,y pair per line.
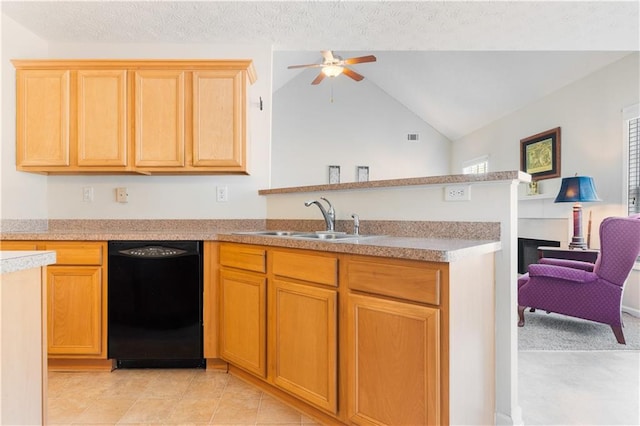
x,y
540,155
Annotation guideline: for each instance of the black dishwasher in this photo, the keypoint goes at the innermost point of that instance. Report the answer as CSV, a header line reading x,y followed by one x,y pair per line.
x,y
155,304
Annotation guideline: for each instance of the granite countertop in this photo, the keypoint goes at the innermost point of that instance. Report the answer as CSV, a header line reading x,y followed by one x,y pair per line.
x,y
14,261
426,241
425,249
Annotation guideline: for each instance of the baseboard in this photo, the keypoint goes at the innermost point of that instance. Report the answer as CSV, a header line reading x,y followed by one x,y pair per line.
x,y
631,311
66,364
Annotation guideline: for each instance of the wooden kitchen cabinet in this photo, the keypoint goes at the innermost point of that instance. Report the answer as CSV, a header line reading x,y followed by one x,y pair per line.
x,y
394,369
243,303
303,331
76,302
393,341
71,120
159,119
132,116
74,310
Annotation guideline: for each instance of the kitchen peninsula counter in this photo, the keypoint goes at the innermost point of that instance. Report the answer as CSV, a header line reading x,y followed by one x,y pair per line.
x,y
415,248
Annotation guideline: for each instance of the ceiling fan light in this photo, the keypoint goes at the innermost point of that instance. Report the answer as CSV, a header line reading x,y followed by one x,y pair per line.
x,y
332,70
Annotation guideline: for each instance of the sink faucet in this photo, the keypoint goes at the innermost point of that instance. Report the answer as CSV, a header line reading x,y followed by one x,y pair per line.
x,y
356,224
329,216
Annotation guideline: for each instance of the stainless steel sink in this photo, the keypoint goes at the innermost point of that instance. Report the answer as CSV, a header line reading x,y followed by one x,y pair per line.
x,y
319,235
327,236
271,233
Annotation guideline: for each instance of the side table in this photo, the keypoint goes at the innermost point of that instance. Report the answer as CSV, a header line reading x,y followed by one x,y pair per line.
x,y
588,255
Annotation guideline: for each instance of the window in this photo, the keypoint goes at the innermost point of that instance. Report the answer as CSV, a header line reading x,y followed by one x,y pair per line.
x,y
475,166
631,117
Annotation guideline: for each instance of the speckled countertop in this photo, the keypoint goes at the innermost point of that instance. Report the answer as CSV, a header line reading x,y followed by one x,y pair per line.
x,y
14,261
427,241
426,249
388,183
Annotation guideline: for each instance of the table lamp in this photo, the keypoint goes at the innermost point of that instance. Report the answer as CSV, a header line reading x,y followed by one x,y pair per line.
x,y
576,190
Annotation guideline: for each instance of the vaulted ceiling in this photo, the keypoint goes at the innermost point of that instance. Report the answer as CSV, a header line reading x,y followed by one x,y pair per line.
x,y
457,65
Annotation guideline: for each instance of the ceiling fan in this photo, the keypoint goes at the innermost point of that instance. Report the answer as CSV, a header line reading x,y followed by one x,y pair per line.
x,y
333,65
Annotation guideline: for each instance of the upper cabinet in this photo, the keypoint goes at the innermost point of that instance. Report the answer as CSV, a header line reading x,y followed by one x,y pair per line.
x,y
127,116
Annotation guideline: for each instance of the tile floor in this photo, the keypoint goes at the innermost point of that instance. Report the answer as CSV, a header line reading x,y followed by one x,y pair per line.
x,y
579,388
162,397
555,388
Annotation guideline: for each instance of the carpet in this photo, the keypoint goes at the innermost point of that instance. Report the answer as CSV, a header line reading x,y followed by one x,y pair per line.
x,y
554,332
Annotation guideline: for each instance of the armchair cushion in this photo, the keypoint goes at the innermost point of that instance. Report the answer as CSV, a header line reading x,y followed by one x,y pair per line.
x,y
561,273
576,264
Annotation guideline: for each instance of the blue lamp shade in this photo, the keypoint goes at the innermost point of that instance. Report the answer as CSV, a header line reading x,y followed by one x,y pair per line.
x,y
577,189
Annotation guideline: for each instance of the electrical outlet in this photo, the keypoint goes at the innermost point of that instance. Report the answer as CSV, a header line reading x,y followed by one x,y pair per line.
x,y
457,193
222,194
87,194
121,195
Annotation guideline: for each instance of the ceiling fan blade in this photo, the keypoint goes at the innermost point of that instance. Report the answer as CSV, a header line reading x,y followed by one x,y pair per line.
x,y
360,59
304,66
319,78
352,74
327,55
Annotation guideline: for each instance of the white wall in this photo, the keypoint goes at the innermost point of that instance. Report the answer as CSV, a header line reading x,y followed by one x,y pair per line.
x,y
589,111
21,195
150,197
362,126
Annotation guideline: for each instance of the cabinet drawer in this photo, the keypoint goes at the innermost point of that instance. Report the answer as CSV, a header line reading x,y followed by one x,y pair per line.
x,y
243,257
419,284
77,253
18,245
306,267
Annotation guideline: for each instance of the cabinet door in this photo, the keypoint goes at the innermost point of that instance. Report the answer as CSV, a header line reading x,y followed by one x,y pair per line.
x,y
243,320
218,118
102,118
42,118
74,310
303,342
159,118
393,361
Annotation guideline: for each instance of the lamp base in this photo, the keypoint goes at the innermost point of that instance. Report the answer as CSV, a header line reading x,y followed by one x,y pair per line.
x,y
577,243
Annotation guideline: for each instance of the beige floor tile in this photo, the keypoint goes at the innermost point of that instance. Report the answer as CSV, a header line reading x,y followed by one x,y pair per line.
x,y
65,410
193,411
149,410
273,411
236,388
233,410
167,387
105,411
205,389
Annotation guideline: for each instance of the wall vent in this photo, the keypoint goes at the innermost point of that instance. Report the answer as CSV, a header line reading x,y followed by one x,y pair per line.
x,y
413,136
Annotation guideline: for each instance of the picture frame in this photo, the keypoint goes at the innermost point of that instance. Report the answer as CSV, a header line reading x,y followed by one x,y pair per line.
x,y
540,155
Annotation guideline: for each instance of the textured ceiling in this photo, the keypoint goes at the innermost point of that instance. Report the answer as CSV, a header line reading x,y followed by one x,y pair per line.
x,y
353,25
452,63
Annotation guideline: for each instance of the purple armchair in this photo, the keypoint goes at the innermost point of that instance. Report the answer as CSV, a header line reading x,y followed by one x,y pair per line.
x,y
584,290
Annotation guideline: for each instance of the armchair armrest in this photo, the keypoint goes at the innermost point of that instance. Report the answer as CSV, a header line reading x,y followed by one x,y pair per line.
x,y
575,264
561,273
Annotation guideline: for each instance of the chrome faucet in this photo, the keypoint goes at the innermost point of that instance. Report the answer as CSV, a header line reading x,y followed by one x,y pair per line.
x,y
356,224
329,216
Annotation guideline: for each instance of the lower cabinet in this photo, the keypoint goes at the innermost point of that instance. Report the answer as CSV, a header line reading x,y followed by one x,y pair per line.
x,y
74,307
349,339
393,362
303,342
243,320
76,302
